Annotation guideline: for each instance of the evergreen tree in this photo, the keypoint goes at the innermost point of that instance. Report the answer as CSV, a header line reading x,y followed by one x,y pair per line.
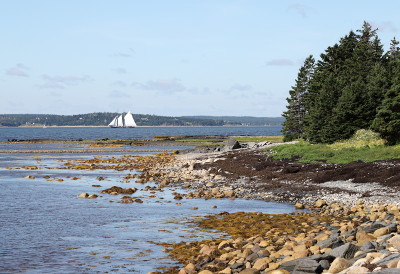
x,y
330,77
356,107
352,86
387,121
293,126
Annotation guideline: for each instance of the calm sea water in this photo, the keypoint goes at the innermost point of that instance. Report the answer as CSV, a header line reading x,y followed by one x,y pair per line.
x,y
45,228
94,133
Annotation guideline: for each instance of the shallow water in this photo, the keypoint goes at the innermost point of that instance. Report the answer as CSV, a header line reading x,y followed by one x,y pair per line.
x,y
45,228
95,133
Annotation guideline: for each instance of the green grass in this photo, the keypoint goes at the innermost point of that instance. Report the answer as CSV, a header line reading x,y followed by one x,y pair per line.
x,y
272,139
201,140
314,153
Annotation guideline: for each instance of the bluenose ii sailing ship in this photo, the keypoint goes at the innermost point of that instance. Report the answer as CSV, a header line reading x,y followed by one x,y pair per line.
x,y
123,121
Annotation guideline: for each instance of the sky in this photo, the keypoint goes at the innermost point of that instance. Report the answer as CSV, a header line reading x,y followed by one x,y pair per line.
x,y
169,57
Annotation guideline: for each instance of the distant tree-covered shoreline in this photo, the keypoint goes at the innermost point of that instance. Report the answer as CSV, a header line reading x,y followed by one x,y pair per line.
x,y
104,118
354,85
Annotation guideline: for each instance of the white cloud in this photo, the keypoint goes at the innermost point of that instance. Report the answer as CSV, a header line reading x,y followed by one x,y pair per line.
x,y
300,9
386,26
55,94
18,70
237,90
120,84
61,82
164,86
120,70
280,62
118,94
240,87
124,54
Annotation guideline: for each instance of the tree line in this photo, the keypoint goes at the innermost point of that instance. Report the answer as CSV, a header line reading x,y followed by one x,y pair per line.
x,y
354,85
99,119
104,118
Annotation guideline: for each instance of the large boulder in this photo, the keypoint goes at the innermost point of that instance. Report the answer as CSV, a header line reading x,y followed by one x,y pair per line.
x,y
346,251
232,143
303,265
332,242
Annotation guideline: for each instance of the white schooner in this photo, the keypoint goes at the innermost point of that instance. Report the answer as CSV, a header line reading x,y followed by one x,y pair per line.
x,y
123,121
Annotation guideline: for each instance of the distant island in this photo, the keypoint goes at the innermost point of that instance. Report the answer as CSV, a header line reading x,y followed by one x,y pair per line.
x,y
104,118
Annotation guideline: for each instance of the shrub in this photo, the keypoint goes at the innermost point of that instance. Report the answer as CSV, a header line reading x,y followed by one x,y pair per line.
x,y
361,138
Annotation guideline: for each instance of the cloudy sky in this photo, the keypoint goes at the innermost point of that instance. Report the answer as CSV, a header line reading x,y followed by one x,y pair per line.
x,y
175,57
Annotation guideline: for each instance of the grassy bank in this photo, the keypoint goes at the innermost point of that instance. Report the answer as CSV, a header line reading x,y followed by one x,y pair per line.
x,y
272,139
364,146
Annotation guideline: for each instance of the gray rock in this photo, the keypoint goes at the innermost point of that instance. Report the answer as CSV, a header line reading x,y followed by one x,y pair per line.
x,y
392,228
347,234
302,265
232,144
252,257
250,271
368,246
362,254
388,271
388,259
320,257
371,228
331,242
389,217
308,266
237,266
346,251
384,239
252,145
325,264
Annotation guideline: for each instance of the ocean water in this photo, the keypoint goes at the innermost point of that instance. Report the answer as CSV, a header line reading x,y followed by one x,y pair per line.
x,y
95,133
46,228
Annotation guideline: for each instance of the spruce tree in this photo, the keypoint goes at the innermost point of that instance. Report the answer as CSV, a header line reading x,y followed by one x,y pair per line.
x,y
330,77
293,126
352,86
387,120
356,107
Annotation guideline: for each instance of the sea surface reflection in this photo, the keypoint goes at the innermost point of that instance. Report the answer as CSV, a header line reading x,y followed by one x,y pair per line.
x,y
46,228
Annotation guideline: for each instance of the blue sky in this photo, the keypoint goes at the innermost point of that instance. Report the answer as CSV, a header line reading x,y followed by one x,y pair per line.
x,y
175,57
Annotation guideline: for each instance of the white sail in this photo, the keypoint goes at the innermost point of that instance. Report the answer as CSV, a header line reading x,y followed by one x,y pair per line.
x,y
113,122
129,121
120,121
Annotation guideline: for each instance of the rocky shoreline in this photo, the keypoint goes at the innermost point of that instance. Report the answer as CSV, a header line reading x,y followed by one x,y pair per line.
x,y
348,217
351,226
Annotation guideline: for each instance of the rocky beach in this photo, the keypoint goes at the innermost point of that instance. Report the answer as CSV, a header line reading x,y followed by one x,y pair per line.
x,y
347,219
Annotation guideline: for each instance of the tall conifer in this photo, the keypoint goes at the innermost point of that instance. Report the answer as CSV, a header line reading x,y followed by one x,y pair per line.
x,y
330,77
293,127
356,107
353,86
387,120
